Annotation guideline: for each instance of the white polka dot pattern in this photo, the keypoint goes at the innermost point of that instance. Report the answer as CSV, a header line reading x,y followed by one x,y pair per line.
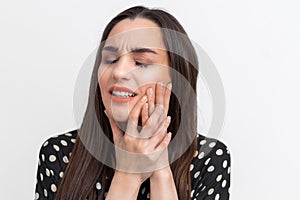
x,y
98,186
53,188
209,170
213,163
53,159
197,174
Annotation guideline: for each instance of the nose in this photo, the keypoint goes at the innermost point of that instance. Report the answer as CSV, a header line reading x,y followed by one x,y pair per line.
x,y
122,68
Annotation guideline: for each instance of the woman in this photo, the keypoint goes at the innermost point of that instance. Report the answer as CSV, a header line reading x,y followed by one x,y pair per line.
x,y
138,138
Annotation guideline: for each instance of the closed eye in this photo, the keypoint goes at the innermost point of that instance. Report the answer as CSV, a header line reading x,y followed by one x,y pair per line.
x,y
143,65
109,62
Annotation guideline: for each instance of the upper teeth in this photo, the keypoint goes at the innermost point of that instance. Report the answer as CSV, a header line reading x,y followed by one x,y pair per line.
x,y
122,94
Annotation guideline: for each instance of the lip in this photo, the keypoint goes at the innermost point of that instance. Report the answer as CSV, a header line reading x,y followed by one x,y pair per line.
x,y
122,89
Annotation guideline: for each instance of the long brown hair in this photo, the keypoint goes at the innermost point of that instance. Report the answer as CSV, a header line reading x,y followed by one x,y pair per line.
x,y
84,169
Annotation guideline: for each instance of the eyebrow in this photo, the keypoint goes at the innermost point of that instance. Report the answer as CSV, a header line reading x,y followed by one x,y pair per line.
x,y
143,50
134,50
110,48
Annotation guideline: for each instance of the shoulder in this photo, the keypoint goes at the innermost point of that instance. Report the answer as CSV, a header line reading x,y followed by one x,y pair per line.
x,y
53,158
58,144
207,146
61,139
55,152
210,168
212,154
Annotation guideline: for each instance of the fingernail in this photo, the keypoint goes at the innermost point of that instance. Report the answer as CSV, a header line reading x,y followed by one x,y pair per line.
x,y
170,134
144,98
146,105
168,119
151,92
105,112
161,84
169,86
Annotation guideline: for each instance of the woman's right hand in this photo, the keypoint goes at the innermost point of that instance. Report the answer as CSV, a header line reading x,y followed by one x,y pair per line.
x,y
141,152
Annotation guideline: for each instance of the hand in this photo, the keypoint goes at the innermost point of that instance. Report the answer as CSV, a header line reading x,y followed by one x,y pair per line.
x,y
151,141
164,172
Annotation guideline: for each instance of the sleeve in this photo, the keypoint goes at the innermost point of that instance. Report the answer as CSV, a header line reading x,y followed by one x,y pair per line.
x,y
210,175
51,164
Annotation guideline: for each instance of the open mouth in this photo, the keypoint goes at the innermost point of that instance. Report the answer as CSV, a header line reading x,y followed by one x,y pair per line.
x,y
122,94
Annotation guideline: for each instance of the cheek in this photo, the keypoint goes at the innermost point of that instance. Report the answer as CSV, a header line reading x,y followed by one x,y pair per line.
x,y
165,76
149,78
154,75
103,77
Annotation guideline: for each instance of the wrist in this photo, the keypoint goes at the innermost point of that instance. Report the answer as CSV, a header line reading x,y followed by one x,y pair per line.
x,y
162,185
124,186
162,174
128,178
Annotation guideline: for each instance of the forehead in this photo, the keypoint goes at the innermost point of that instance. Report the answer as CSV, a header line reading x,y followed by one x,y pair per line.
x,y
137,33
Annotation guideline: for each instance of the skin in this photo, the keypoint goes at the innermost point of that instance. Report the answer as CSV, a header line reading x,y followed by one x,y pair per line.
x,y
146,73
128,69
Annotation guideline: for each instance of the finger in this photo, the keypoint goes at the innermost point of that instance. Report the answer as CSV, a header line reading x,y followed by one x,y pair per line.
x,y
145,114
159,94
134,115
150,96
117,132
165,142
162,129
156,118
160,133
167,96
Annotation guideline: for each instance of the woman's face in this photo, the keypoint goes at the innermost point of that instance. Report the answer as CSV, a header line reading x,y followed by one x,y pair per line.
x,y
134,58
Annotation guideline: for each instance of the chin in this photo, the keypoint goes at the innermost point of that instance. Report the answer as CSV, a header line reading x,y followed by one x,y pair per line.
x,y
120,112
119,115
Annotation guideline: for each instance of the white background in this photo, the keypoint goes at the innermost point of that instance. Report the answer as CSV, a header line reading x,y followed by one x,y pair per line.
x,y
254,44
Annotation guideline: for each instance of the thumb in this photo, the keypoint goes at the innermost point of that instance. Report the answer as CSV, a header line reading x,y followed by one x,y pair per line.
x,y
117,132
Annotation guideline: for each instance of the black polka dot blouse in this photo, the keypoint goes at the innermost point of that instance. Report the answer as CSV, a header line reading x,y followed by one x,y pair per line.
x,y
209,170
